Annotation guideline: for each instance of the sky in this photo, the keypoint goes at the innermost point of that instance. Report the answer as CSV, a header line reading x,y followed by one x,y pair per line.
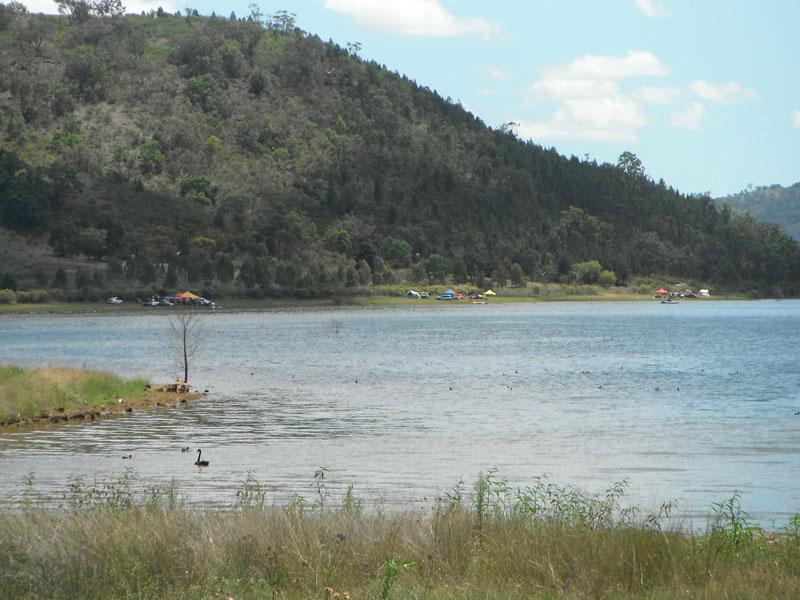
x,y
705,92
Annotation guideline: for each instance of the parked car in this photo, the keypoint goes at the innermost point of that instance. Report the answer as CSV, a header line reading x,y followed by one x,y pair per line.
x,y
113,300
150,302
424,295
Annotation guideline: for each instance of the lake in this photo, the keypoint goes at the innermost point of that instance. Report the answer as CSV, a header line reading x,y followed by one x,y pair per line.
x,y
689,402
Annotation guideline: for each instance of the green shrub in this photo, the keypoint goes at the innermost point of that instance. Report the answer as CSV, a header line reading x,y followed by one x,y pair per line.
x,y
586,272
151,159
517,276
33,297
8,296
607,278
86,69
338,240
204,91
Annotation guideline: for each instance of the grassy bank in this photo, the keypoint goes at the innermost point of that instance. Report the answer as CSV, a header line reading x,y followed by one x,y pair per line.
x,y
48,391
543,541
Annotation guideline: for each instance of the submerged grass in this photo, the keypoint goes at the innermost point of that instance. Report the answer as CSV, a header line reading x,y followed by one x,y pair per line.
x,y
543,541
31,392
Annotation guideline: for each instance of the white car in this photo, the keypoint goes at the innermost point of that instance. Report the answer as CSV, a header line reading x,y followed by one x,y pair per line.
x,y
113,300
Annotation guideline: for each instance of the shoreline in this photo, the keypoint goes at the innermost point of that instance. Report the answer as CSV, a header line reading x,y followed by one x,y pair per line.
x,y
355,302
58,417
48,396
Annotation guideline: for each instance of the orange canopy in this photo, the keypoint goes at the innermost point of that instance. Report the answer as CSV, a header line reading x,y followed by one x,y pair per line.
x,y
662,291
187,296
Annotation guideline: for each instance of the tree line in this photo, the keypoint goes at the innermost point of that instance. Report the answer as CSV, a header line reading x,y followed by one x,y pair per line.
x,y
250,156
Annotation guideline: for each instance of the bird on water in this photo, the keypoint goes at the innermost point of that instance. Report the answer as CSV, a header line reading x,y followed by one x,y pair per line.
x,y
198,462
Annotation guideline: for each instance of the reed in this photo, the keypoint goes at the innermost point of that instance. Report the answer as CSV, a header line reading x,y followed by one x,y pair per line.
x,y
31,392
543,541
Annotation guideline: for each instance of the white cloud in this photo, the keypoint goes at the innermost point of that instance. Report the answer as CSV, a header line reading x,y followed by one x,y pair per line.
x,y
498,73
615,118
560,89
650,8
590,103
636,63
49,7
657,94
690,117
411,17
723,92
797,118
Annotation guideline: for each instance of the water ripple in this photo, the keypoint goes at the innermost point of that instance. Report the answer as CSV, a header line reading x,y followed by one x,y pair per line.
x,y
694,403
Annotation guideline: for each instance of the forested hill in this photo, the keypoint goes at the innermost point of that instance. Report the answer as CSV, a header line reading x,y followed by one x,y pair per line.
x,y
770,204
246,155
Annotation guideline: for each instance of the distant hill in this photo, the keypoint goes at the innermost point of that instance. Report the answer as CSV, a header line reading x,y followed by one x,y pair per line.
x,y
770,204
246,156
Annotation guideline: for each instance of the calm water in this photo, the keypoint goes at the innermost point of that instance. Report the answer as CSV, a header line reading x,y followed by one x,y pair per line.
x,y
688,402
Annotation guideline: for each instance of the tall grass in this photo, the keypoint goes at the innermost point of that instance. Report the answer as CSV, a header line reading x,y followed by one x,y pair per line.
x,y
543,541
31,392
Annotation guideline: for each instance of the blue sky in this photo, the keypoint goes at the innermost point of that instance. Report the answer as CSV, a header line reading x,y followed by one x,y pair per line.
x,y
705,92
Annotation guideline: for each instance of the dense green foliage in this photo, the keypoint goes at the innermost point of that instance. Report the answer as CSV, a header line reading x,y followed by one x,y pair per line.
x,y
249,156
770,204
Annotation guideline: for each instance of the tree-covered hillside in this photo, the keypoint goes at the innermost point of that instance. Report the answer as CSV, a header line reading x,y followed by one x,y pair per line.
x,y
248,156
769,204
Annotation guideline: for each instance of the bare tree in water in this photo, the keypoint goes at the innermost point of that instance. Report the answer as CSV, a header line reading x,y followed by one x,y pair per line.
x,y
187,336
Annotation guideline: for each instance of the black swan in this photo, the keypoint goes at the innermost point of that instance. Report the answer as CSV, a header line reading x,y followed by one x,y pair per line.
x,y
198,462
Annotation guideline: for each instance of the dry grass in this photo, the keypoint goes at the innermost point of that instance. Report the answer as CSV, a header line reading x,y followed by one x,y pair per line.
x,y
32,392
117,544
